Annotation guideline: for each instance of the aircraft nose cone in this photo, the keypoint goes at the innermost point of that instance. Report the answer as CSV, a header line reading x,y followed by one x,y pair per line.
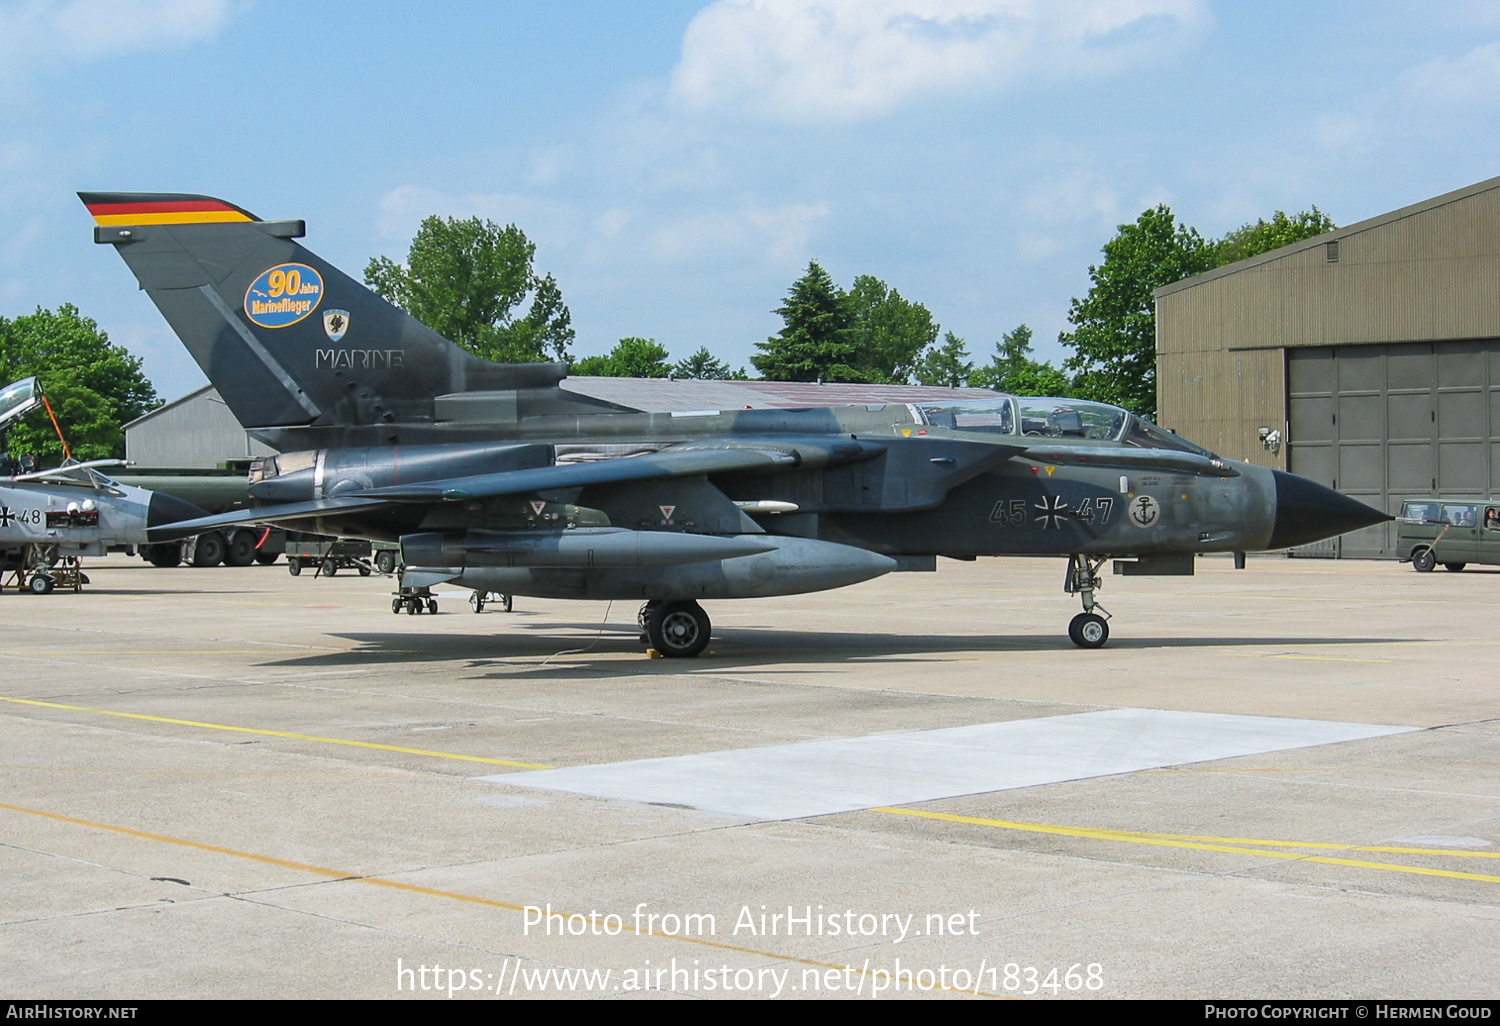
x,y
167,509
1307,512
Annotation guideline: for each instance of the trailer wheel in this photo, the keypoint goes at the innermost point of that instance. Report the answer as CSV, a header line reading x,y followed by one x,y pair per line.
x,y
241,549
210,549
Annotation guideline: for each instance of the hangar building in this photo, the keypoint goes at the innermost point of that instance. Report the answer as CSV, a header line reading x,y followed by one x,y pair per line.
x,y
1373,350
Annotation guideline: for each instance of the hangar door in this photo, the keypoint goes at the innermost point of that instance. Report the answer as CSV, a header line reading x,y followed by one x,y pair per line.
x,y
1386,423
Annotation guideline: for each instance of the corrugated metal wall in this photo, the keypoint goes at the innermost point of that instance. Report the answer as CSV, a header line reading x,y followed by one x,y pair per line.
x,y
197,432
1389,423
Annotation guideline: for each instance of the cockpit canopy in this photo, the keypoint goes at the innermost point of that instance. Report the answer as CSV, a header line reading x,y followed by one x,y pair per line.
x,y
1041,417
19,399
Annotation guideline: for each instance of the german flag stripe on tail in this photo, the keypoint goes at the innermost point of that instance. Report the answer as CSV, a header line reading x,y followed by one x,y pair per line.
x,y
131,208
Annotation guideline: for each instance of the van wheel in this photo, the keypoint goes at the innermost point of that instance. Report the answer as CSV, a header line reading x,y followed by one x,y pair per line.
x,y
1422,561
1454,568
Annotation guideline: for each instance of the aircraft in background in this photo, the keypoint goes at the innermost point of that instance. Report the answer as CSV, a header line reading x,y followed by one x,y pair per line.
x,y
51,518
493,477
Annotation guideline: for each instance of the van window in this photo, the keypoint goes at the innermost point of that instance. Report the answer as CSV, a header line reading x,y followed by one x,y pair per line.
x,y
1492,518
1460,516
1420,512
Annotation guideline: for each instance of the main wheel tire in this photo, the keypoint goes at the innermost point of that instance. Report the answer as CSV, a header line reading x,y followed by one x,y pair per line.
x,y
506,602
1454,568
476,601
41,584
1422,561
432,606
294,566
241,549
678,630
1088,630
395,605
164,555
385,561
412,605
210,549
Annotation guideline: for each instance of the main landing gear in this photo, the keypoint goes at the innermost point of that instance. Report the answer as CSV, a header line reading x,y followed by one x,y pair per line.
x,y
677,630
1088,629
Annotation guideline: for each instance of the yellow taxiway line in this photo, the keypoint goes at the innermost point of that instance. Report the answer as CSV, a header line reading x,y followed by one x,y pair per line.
x,y
432,892
276,733
1228,845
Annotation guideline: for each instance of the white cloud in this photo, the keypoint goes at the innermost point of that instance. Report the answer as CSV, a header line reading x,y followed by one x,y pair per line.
x,y
844,60
669,234
35,33
775,232
1474,77
1075,196
612,220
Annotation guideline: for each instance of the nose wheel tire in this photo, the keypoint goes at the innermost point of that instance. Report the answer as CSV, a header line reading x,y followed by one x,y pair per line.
x,y
1088,630
678,630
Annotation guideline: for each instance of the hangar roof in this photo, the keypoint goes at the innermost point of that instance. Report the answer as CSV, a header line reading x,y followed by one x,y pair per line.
x,y
1358,227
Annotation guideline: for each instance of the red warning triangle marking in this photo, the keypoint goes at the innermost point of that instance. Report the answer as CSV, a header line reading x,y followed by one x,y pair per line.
x,y
667,511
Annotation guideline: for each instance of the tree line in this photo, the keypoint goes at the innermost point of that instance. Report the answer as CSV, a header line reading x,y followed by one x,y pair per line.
x,y
469,279
476,283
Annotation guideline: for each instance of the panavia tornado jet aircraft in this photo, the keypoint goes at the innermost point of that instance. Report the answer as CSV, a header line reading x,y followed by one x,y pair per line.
x,y
71,511
491,476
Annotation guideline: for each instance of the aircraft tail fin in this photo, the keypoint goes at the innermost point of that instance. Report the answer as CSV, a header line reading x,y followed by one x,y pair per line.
x,y
287,338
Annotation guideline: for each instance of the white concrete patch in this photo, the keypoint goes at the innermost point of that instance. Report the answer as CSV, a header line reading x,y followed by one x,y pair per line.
x,y
816,778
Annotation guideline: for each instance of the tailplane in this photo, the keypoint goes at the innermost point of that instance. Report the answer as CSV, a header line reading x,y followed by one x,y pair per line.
x,y
287,338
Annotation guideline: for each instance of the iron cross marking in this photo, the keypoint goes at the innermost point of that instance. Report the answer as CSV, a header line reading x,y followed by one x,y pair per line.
x,y
6,516
1052,515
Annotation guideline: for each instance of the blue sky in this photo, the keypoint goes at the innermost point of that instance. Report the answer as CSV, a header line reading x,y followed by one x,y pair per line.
x,y
678,163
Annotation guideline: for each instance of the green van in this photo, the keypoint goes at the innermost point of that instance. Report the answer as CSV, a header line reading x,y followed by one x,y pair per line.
x,y
1453,533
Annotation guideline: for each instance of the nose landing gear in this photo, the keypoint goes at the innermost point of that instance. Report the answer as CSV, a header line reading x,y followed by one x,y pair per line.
x,y
1088,629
